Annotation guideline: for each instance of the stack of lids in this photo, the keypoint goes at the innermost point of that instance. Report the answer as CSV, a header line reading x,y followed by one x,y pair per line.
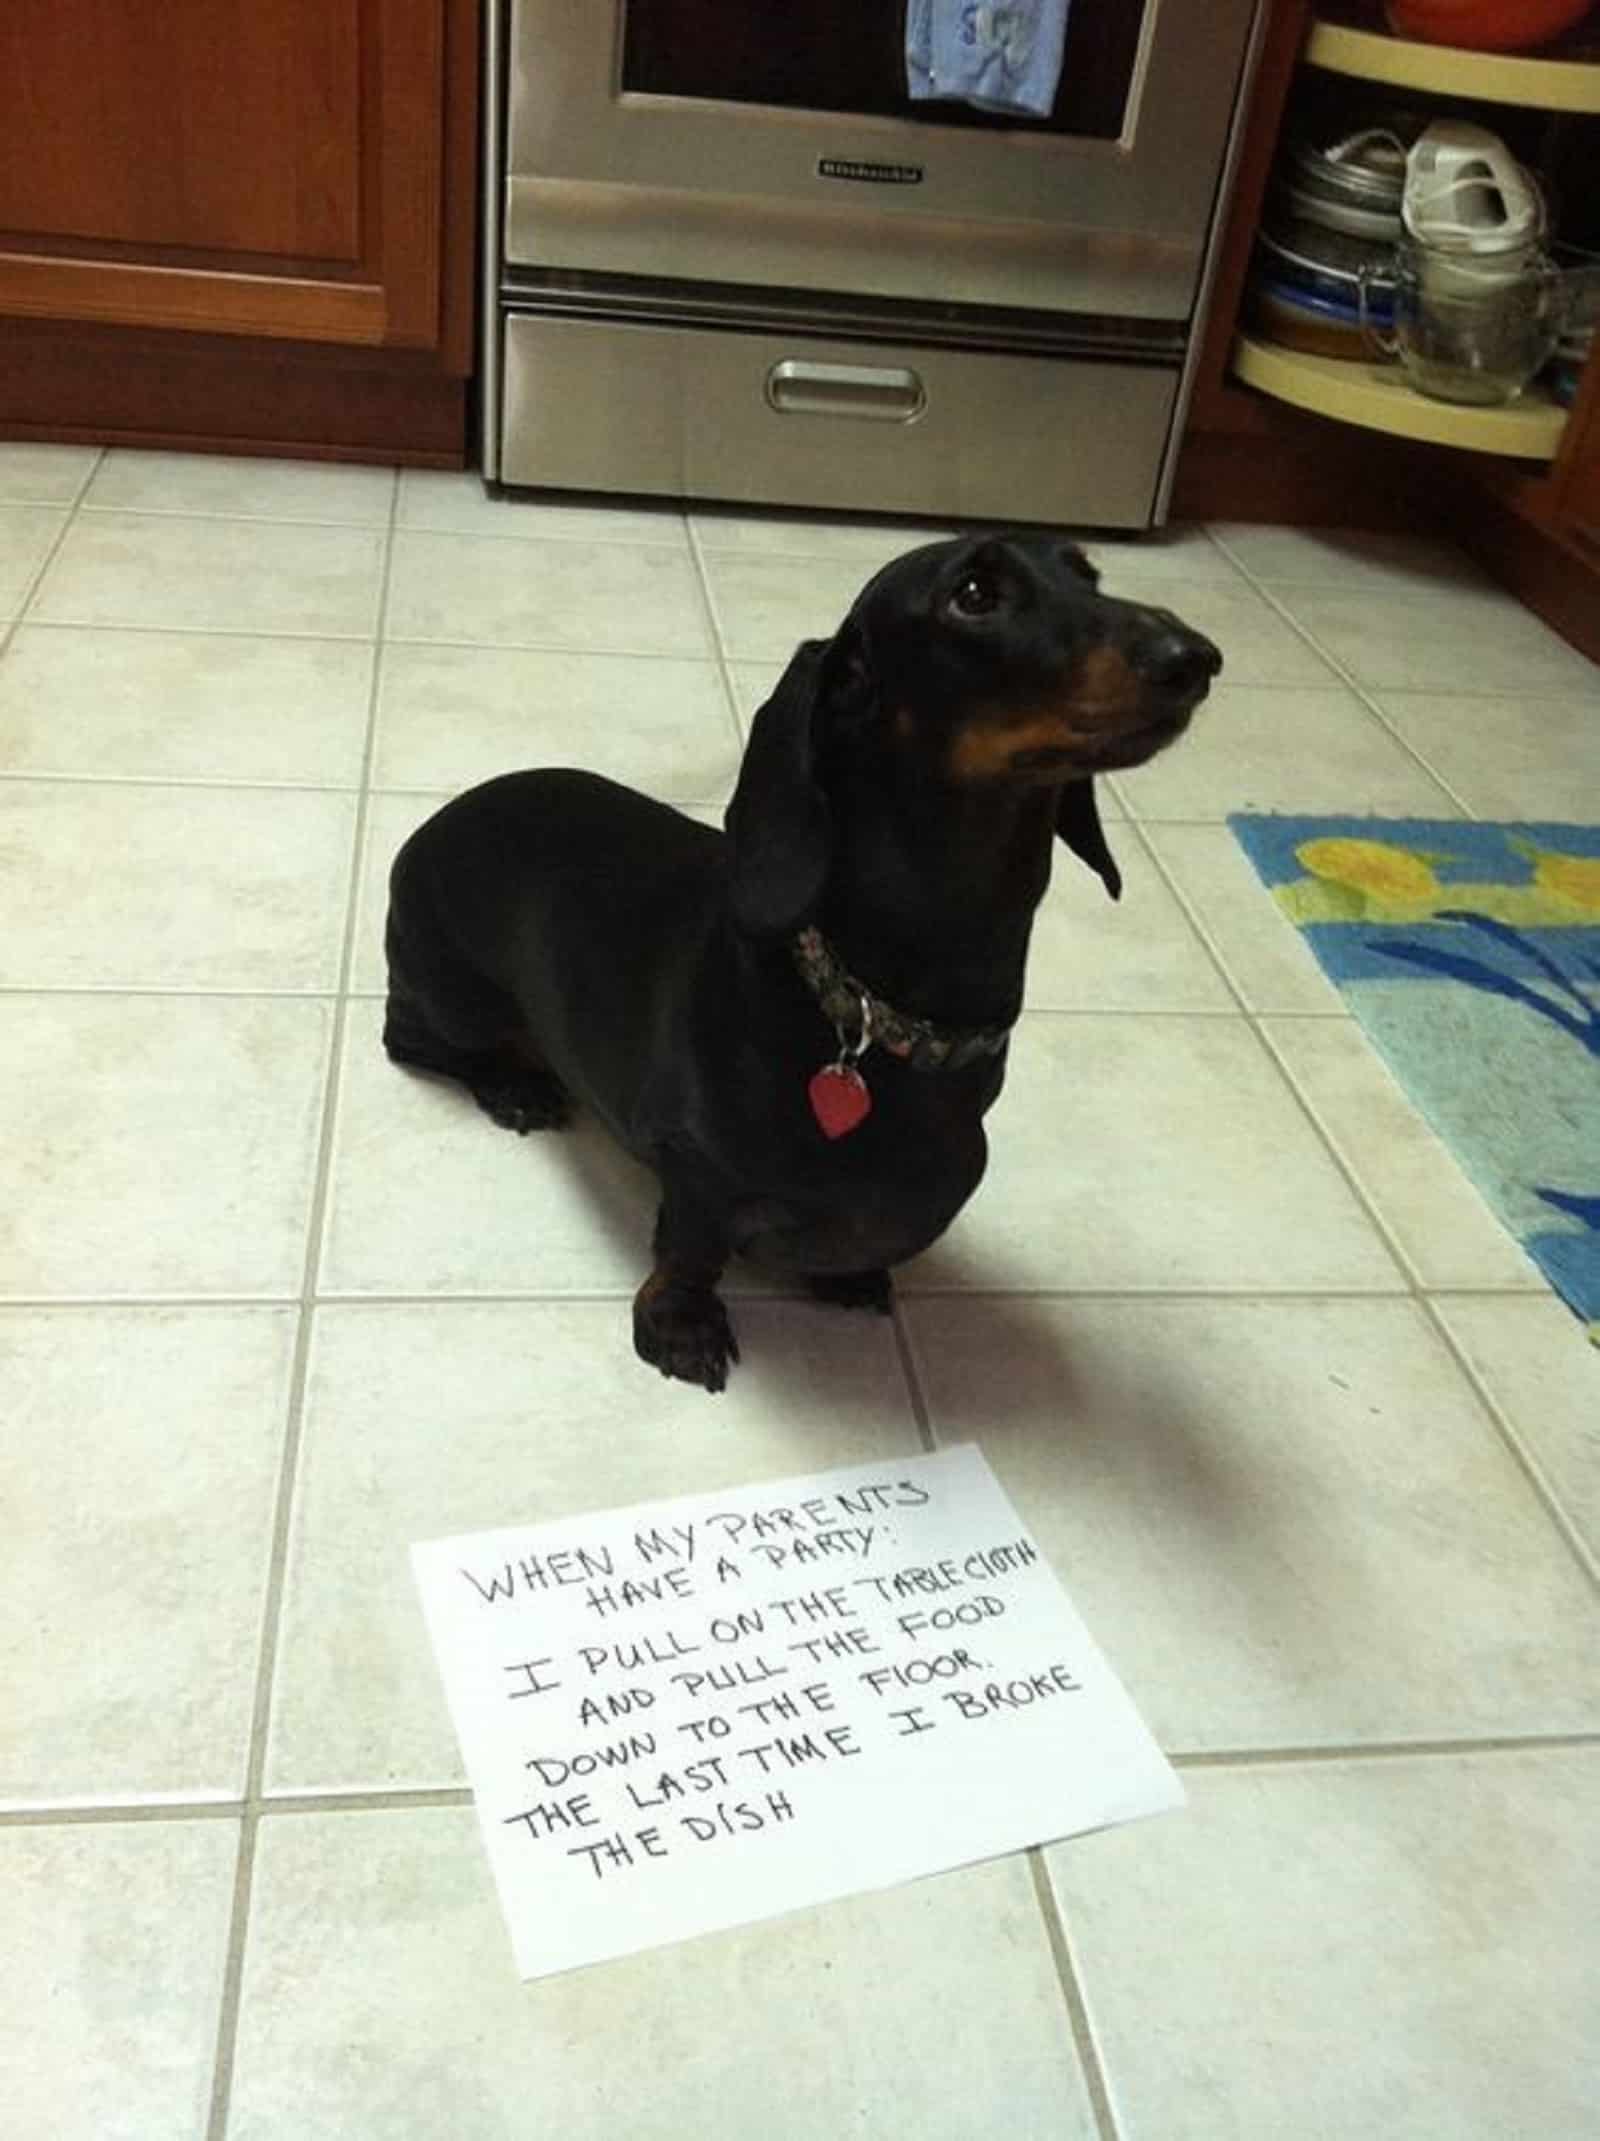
x,y
1332,224
1354,186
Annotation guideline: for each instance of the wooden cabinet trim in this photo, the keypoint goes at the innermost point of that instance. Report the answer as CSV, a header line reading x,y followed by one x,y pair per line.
x,y
207,300
408,90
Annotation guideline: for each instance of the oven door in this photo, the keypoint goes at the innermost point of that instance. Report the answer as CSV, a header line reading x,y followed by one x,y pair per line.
x,y
740,143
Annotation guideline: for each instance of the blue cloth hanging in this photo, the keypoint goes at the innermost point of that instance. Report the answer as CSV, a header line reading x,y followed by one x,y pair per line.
x,y
1001,55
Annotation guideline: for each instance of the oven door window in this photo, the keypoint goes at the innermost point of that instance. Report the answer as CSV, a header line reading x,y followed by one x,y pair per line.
x,y
849,56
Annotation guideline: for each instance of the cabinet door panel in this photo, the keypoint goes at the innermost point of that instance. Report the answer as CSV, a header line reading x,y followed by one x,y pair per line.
x,y
246,166
197,126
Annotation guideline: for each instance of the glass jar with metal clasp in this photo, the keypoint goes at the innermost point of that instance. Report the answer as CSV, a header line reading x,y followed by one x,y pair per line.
x,y
1466,327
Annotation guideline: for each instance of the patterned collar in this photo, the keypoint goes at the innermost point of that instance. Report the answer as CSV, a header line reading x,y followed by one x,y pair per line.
x,y
862,1019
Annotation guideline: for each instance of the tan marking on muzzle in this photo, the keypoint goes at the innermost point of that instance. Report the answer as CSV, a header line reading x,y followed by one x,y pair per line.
x,y
987,746
1103,683
1101,697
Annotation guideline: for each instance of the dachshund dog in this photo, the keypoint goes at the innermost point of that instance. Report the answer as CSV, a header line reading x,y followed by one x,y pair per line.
x,y
798,1023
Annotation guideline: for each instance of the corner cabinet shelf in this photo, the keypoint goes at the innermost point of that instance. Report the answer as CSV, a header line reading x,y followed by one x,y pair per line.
x,y
1556,85
1377,396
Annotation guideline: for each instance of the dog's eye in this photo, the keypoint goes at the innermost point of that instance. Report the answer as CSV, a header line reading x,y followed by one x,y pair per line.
x,y
975,596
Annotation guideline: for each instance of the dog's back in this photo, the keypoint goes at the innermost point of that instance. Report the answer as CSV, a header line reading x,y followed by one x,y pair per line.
x,y
561,904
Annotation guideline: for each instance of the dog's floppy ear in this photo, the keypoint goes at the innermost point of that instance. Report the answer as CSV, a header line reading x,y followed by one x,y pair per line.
x,y
778,823
1078,823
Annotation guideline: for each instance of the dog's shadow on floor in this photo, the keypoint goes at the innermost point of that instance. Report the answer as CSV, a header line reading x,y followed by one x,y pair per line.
x,y
565,1182
1101,1402
1113,1398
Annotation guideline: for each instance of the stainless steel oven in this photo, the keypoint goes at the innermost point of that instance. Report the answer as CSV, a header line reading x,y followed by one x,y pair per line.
x,y
731,256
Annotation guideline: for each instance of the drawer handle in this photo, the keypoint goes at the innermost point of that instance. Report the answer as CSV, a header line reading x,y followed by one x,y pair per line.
x,y
890,394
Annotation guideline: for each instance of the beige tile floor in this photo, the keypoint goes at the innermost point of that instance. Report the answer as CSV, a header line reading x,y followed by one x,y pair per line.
x,y
1309,1441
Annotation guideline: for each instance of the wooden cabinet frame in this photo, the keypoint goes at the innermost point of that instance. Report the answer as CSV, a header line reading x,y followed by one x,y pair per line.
x,y
390,294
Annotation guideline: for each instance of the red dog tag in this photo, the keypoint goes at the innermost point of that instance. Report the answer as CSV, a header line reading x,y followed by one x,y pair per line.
x,y
839,1099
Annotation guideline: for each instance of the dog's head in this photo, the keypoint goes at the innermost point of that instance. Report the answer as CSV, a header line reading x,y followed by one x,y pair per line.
x,y
991,662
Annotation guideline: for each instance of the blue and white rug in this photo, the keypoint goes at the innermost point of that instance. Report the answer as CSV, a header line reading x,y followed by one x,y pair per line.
x,y
1471,955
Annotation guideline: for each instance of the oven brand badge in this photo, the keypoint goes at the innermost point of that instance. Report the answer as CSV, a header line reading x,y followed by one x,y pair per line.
x,y
869,174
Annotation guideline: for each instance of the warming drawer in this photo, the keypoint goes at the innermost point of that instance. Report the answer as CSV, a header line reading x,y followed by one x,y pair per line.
x,y
759,417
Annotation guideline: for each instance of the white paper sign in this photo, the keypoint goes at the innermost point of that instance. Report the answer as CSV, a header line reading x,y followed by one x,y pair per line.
x,y
700,1712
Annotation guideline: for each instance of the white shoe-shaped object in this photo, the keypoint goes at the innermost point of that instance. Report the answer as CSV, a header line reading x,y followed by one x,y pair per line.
x,y
1465,192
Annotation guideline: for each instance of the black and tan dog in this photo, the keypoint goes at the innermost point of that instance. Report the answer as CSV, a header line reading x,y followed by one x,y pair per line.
x,y
798,1024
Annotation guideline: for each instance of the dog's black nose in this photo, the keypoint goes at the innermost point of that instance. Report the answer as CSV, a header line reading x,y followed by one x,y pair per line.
x,y
1179,660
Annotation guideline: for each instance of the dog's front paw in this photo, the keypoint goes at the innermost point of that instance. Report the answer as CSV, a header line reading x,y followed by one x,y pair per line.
x,y
684,1331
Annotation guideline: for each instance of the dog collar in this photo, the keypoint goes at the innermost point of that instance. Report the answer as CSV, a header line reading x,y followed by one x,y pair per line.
x,y
851,1008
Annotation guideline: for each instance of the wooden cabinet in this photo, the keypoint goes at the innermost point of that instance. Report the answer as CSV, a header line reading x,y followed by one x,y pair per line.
x,y
297,175
1577,505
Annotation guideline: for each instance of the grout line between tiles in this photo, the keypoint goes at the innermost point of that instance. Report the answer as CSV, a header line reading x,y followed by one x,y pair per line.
x,y
1161,1011
1090,2062
365,637
1491,1743
378,524
137,629
404,1799
1219,821
1195,916
338,993
1144,1296
389,1799
35,580
708,603
58,1815
788,535
1375,707
719,638
909,1369
272,1604
553,646
384,1799
44,778
193,630
1256,1021
672,544
1211,950
189,990
1348,678
1522,1454
32,1302
248,520
166,629
752,1297
550,538
1415,1284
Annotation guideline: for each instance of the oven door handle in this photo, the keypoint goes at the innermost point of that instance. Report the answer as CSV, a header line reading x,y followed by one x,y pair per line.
x,y
886,394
